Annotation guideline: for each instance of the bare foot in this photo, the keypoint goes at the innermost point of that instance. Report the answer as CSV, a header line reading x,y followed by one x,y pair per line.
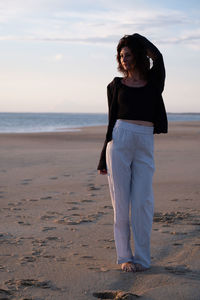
x,y
140,268
128,267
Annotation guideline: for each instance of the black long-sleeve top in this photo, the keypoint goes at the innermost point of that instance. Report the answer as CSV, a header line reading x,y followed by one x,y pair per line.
x,y
155,86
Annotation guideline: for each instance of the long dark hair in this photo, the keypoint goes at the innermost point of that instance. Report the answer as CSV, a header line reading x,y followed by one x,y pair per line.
x,y
141,61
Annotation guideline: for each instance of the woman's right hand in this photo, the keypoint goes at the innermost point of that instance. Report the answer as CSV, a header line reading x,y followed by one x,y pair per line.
x,y
102,172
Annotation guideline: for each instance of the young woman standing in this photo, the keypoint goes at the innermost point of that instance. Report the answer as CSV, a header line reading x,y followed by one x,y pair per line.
x,y
136,113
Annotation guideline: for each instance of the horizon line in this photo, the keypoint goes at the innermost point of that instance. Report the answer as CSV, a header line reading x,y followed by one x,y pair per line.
x,y
68,112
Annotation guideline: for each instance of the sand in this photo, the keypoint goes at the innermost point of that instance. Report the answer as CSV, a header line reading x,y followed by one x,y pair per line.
x,y
56,219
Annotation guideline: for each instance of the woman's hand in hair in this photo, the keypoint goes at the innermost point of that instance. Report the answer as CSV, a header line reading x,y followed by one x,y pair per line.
x,y
151,53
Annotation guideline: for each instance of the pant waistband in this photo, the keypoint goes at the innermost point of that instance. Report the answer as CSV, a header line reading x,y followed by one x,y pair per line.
x,y
134,127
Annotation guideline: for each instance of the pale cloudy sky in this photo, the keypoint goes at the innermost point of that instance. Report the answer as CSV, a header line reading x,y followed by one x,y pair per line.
x,y
59,55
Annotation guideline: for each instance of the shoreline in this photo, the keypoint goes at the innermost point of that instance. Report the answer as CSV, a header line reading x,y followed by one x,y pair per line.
x,y
78,129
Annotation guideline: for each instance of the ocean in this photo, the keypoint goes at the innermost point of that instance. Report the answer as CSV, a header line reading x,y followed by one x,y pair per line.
x,y
52,122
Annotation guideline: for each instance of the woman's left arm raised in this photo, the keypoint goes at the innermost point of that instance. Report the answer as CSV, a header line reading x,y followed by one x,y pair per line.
x,y
157,72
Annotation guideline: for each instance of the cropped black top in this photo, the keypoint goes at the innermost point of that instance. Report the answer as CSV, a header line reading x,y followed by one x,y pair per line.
x,y
143,103
136,103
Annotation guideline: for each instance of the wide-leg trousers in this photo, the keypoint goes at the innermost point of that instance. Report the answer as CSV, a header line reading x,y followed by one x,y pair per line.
x,y
130,169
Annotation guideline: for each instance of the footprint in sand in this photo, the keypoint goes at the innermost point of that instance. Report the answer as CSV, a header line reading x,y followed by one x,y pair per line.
x,y
66,175
118,295
87,201
61,259
16,208
54,213
106,240
91,187
195,223
6,208
40,243
178,233
107,206
1,194
24,223
109,247
87,257
72,202
2,268
177,244
54,238
73,208
48,256
53,178
17,284
171,217
179,270
23,200
48,228
26,181
26,259
11,204
6,238
45,198
36,252
47,217
73,221
72,229
77,222
4,293
67,222
33,200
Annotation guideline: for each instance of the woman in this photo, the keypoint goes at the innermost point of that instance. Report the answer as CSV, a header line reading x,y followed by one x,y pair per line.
x,y
136,112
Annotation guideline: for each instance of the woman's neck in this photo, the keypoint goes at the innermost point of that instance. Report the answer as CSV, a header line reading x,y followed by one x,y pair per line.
x,y
134,76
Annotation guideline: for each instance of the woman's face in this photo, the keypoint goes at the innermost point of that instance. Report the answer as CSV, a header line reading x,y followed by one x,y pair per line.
x,y
126,59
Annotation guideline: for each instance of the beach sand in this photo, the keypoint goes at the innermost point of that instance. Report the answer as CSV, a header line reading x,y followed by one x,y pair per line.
x,y
56,219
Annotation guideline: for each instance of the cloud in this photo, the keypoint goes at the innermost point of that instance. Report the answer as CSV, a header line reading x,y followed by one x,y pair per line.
x,y
193,41
100,24
190,39
8,38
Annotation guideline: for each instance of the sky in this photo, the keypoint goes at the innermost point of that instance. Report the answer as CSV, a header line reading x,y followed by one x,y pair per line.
x,y
59,55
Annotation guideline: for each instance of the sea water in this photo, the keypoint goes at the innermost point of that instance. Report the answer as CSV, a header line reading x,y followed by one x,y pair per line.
x,y
52,122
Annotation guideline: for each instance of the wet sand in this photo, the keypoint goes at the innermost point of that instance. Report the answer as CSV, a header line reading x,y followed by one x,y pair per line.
x,y
56,219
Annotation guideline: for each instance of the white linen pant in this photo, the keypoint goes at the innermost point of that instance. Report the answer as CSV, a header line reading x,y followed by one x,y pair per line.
x,y
130,168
